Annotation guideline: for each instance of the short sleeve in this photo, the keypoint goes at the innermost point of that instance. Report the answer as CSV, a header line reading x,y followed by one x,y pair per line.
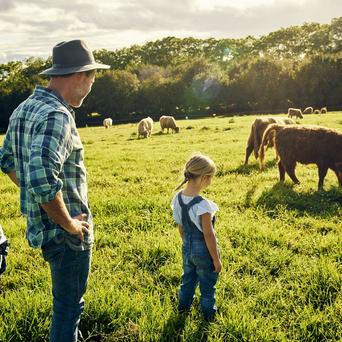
x,y
2,235
207,206
176,212
173,202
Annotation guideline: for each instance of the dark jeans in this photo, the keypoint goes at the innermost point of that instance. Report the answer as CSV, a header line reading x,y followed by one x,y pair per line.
x,y
69,273
198,267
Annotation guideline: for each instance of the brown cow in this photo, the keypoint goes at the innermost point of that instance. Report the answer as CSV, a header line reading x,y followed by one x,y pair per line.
x,y
168,122
307,145
257,130
295,112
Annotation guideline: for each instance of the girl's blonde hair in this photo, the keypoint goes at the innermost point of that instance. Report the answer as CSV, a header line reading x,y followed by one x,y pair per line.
x,y
198,165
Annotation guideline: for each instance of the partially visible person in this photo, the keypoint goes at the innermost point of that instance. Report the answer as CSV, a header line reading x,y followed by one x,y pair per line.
x,y
195,217
3,251
43,154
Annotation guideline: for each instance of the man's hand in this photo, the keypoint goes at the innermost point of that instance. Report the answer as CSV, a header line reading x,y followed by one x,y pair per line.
x,y
58,212
78,226
13,178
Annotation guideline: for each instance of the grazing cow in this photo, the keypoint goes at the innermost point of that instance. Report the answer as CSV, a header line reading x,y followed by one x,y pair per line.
x,y
168,122
306,145
294,112
145,127
324,110
257,130
308,110
107,122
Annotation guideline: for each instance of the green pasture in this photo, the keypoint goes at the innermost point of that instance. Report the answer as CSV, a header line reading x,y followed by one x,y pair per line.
x,y
280,244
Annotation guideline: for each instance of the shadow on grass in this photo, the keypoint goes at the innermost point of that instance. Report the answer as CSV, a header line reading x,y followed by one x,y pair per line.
x,y
321,204
244,169
173,328
158,133
201,334
249,196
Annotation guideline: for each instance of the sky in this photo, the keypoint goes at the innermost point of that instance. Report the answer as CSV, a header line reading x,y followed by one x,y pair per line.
x,y
32,28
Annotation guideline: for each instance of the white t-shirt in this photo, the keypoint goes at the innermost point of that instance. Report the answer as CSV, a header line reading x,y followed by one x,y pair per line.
x,y
2,235
205,206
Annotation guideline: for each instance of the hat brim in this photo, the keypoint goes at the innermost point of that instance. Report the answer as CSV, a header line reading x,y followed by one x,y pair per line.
x,y
54,71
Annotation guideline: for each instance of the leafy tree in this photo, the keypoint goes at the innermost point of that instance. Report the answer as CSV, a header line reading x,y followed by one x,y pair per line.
x,y
293,66
113,95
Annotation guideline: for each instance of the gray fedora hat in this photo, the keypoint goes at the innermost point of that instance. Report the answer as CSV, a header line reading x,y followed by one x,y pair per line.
x,y
70,57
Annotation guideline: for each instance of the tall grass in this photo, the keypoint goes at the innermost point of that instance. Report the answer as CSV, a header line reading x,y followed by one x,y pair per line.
x,y
280,244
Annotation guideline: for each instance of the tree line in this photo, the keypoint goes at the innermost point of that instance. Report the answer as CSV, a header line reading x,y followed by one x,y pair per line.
x,y
296,66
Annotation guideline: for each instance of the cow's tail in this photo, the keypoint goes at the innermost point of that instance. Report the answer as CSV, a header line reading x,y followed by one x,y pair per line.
x,y
269,134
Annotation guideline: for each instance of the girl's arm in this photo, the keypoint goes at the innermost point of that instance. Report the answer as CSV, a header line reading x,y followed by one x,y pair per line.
x,y
210,240
181,231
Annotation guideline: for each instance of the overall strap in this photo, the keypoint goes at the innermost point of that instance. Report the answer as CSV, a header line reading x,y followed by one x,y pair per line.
x,y
194,201
187,223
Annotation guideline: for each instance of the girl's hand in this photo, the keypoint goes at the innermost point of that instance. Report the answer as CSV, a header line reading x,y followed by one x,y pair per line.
x,y
217,266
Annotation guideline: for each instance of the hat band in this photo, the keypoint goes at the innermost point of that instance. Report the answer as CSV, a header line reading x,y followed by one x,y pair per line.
x,y
62,66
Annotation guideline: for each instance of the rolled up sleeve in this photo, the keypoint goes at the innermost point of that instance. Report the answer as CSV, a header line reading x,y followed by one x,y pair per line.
x,y
51,146
6,155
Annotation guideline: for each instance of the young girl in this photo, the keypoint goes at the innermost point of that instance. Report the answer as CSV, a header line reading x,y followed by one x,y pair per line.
x,y
195,218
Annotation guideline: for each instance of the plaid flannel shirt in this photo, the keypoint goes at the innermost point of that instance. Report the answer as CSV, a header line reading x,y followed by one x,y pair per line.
x,y
43,147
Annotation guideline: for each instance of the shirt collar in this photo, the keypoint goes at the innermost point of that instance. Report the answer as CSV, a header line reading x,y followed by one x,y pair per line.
x,y
41,90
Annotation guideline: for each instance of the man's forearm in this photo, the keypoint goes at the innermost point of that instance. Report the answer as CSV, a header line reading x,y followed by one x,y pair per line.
x,y
13,177
58,212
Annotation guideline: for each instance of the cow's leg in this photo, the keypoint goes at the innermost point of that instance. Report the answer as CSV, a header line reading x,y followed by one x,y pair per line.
x,y
338,172
322,172
281,171
290,169
276,156
250,145
256,145
249,150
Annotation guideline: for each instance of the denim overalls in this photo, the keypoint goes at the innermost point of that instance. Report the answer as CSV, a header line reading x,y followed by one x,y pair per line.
x,y
198,266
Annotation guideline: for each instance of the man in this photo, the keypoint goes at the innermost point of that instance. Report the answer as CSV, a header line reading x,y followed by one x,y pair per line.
x,y
43,154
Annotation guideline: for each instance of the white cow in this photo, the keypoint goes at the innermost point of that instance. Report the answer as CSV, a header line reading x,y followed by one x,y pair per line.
x,y
145,127
107,122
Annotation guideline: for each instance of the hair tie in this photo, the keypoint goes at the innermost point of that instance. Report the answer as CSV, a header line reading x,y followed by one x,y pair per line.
x,y
188,175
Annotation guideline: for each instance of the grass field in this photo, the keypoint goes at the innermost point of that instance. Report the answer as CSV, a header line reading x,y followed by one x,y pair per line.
x,y
280,243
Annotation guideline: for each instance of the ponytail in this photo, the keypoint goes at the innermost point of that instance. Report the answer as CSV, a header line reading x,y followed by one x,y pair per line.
x,y
187,176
